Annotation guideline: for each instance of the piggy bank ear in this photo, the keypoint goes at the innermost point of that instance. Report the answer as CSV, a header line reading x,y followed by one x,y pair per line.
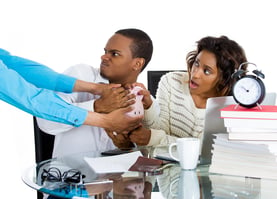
x,y
135,90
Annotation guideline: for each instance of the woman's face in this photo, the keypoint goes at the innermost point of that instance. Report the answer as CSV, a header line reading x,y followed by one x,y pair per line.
x,y
204,75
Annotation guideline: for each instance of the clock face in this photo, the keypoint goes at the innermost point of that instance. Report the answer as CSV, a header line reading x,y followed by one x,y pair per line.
x,y
248,91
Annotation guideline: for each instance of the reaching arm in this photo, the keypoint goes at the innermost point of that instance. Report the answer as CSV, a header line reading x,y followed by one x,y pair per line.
x,y
16,89
46,104
36,101
38,74
43,77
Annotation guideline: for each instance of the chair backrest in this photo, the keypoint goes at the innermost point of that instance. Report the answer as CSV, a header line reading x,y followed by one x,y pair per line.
x,y
44,143
153,78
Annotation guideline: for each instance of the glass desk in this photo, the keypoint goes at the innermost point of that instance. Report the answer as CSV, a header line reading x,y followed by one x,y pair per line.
x,y
171,182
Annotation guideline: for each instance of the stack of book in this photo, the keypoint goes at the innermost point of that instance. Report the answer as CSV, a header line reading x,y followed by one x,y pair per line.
x,y
244,158
250,146
259,123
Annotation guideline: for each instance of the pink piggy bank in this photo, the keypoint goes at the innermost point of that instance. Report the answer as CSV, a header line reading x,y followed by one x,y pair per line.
x,y
138,106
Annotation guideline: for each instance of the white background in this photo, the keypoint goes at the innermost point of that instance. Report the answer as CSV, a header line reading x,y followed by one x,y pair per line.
x,y
61,33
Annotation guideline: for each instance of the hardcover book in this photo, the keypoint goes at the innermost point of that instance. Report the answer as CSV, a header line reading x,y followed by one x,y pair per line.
x,y
262,112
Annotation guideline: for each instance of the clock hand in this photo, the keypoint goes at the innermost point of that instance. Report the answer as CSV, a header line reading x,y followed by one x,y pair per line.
x,y
247,90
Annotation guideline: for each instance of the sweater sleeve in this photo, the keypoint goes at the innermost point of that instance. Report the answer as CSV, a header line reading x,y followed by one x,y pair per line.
x,y
158,136
155,116
151,113
39,75
37,101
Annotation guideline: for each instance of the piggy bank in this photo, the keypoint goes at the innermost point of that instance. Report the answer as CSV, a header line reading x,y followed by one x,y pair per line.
x,y
138,106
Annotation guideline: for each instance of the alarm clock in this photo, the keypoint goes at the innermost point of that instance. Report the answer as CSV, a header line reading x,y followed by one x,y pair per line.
x,y
249,89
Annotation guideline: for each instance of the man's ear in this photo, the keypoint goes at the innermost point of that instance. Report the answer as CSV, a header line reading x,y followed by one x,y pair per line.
x,y
138,64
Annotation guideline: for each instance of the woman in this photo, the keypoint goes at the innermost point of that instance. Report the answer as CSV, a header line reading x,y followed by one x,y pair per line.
x,y
181,96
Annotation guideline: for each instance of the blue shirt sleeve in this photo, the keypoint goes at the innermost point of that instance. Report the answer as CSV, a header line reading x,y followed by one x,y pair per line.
x,y
39,75
39,102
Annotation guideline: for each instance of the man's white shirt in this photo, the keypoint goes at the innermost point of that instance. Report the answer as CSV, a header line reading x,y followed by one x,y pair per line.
x,y
69,139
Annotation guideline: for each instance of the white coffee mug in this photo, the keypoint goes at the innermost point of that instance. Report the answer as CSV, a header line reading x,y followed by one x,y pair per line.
x,y
188,185
188,152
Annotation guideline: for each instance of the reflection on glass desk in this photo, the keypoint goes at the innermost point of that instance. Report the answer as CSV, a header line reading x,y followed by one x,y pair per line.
x,y
72,177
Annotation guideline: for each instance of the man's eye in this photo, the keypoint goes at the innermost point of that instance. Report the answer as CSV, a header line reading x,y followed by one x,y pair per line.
x,y
115,54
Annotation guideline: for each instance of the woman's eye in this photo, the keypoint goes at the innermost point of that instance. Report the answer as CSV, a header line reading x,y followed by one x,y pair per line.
x,y
207,71
196,63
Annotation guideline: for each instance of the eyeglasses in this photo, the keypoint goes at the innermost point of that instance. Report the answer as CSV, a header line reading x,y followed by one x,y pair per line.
x,y
53,174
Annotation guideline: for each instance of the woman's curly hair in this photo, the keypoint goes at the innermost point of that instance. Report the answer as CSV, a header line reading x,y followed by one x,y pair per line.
x,y
229,55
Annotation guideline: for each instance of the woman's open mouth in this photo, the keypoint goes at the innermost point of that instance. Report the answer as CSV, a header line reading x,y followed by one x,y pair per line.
x,y
193,85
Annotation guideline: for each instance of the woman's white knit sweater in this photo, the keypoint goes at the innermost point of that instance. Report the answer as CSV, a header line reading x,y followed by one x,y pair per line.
x,y
173,114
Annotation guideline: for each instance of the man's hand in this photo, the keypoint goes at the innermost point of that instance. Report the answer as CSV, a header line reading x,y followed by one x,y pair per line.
x,y
120,140
112,99
146,100
141,136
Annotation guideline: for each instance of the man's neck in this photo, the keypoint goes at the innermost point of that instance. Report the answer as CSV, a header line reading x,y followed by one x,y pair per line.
x,y
124,83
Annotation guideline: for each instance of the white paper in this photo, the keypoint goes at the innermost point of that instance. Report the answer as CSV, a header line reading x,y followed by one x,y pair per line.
x,y
113,164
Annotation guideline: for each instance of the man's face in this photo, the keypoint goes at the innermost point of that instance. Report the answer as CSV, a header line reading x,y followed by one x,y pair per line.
x,y
117,62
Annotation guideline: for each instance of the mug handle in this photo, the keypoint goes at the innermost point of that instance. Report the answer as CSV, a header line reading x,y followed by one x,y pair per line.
x,y
170,151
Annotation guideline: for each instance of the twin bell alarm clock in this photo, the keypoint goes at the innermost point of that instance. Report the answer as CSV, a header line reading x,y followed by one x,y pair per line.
x,y
249,89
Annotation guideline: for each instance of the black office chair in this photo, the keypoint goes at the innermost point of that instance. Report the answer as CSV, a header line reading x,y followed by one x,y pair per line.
x,y
153,78
44,144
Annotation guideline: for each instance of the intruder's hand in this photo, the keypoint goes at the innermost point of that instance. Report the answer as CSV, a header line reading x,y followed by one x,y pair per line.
x,y
96,89
112,99
101,88
141,136
119,121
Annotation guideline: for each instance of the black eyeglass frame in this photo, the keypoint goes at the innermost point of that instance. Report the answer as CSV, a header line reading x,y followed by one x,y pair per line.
x,y
71,176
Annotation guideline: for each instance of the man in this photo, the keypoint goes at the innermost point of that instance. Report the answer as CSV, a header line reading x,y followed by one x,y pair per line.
x,y
127,53
25,84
